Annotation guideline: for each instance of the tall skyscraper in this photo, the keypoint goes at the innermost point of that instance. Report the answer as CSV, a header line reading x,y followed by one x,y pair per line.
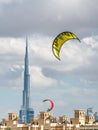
x,y
26,113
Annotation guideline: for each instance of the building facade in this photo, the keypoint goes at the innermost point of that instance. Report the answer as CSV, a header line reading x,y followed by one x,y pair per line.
x,y
48,122
26,112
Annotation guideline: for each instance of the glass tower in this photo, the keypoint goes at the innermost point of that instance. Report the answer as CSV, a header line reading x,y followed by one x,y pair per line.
x,y
26,113
90,111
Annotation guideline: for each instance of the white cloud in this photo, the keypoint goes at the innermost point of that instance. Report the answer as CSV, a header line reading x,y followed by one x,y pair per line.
x,y
77,60
11,46
41,47
39,80
48,17
13,49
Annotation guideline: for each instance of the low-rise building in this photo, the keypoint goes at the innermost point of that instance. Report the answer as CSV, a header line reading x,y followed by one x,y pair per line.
x,y
46,121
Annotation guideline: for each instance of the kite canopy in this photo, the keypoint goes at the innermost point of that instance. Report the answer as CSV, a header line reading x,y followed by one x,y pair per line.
x,y
60,40
51,102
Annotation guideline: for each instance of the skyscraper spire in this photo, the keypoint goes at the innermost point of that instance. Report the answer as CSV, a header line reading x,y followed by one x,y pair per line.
x,y
26,112
26,58
26,92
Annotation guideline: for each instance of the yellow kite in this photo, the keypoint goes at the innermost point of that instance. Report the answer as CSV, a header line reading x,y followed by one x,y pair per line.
x,y
60,40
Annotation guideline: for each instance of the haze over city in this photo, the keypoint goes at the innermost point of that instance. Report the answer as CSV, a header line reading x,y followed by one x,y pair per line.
x,y
71,83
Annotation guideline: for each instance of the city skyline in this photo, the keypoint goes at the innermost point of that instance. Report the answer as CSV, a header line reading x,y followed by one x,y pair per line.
x,y
72,82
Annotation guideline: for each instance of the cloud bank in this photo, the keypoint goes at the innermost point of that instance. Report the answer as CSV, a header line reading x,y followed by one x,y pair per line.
x,y
48,17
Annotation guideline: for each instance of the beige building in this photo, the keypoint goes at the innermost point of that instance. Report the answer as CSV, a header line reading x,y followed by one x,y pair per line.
x,y
79,117
12,120
48,122
89,119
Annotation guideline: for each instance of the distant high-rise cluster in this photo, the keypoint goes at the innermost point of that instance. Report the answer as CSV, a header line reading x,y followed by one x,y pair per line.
x,y
96,116
90,111
26,113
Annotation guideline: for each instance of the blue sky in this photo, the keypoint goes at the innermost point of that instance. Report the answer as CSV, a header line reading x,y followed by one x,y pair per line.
x,y
72,82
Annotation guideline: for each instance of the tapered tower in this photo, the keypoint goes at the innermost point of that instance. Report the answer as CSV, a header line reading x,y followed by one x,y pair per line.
x,y
26,113
26,91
